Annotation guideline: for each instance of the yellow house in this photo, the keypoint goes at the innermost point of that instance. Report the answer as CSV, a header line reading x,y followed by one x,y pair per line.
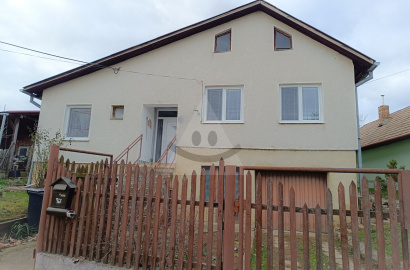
x,y
253,85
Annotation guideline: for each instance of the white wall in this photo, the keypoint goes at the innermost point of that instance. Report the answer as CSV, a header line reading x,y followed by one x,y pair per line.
x,y
252,63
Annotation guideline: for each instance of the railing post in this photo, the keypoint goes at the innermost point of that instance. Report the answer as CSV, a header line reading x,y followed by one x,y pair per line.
x,y
54,150
229,218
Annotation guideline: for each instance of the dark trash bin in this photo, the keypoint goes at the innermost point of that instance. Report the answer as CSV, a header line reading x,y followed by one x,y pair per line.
x,y
35,202
14,174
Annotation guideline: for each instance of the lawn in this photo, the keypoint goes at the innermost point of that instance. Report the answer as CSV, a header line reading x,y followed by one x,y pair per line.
x,y
12,204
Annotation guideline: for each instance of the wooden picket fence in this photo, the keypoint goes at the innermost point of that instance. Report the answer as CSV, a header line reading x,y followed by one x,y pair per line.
x,y
129,217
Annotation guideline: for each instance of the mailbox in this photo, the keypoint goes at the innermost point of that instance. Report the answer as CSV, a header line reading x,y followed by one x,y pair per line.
x,y
62,196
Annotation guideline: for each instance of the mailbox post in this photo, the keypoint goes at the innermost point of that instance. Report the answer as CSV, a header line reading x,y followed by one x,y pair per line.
x,y
62,196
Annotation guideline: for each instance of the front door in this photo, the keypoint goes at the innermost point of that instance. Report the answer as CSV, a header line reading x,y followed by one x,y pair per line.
x,y
166,131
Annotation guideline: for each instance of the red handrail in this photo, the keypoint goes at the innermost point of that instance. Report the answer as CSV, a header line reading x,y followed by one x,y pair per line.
x,y
165,153
127,150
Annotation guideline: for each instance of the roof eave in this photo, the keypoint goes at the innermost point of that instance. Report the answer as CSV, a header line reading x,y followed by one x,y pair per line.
x,y
385,142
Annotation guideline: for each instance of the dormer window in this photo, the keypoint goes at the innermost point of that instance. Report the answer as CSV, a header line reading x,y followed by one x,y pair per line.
x,y
283,41
223,42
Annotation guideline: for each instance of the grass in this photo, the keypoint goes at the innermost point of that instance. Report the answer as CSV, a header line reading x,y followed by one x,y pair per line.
x,y
312,253
12,204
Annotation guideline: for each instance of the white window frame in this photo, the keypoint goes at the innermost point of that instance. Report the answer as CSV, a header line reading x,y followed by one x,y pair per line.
x,y
67,118
300,104
223,120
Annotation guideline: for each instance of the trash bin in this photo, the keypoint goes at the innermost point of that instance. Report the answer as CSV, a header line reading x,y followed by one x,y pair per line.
x,y
14,174
35,202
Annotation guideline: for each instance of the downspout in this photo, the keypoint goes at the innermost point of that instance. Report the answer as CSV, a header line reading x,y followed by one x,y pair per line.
x,y
31,98
3,122
359,149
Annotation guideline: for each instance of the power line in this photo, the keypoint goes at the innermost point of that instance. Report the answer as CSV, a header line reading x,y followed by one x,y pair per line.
x,y
116,70
49,54
388,76
48,58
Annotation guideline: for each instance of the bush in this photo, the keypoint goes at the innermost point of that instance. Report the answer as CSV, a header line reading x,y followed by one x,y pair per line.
x,y
42,143
21,231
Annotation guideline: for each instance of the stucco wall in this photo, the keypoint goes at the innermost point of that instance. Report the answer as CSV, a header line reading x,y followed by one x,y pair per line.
x,y
189,159
252,63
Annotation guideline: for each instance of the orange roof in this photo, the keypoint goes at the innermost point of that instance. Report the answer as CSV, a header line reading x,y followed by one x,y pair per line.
x,y
396,128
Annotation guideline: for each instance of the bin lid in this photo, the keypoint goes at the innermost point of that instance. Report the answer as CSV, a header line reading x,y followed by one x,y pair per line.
x,y
37,191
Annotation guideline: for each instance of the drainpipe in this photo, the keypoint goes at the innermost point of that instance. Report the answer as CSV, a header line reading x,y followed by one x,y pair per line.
x,y
359,150
3,122
31,98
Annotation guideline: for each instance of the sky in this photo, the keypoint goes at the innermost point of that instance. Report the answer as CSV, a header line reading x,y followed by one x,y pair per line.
x,y
92,29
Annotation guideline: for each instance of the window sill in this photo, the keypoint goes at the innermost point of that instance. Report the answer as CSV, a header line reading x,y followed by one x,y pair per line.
x,y
301,122
77,139
223,122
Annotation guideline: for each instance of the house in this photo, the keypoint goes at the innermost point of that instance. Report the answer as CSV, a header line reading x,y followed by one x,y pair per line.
x,y
253,85
15,141
385,139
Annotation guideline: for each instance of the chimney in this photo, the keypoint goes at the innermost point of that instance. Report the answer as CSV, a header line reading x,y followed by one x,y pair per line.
x,y
383,112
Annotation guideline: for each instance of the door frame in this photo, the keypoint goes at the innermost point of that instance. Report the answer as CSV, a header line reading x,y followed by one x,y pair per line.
x,y
157,110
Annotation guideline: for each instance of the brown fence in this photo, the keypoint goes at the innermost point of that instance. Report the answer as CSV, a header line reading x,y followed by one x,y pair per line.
x,y
129,217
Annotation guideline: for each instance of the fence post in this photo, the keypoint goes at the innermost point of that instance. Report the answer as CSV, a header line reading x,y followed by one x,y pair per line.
x,y
229,218
54,150
404,202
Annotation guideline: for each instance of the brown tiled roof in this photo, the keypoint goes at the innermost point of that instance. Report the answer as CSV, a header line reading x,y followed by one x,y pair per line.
x,y
396,128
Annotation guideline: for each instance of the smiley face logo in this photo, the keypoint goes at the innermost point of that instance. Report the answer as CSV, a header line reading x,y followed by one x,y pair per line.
x,y
212,140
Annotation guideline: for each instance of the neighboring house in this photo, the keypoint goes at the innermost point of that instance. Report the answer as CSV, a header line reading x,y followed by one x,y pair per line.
x,y
15,141
254,85
385,139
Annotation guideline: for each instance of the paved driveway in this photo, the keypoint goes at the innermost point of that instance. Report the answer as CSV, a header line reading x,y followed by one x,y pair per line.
x,y
18,257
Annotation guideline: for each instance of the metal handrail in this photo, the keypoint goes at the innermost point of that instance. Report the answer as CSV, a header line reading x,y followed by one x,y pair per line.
x,y
165,153
127,150
169,166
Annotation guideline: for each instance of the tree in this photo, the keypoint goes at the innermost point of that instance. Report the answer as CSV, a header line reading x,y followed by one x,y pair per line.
x,y
43,141
391,165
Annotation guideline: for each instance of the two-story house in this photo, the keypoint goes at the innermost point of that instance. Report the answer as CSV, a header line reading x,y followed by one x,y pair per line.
x,y
253,85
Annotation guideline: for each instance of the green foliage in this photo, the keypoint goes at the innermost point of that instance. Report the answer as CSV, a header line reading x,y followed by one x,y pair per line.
x,y
391,165
43,140
21,231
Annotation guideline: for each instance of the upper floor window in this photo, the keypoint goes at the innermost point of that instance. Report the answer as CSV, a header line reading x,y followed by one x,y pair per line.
x,y
301,103
223,105
78,122
223,42
283,41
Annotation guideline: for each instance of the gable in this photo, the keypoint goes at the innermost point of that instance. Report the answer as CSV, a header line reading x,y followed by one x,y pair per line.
x,y
360,61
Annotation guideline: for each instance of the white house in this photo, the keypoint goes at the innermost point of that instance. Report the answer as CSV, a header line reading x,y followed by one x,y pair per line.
x,y
253,85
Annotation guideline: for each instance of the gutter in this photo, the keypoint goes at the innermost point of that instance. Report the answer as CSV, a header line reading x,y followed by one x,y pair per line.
x,y
32,96
359,150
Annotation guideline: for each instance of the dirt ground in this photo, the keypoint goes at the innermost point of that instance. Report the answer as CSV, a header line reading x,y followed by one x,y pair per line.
x,y
19,257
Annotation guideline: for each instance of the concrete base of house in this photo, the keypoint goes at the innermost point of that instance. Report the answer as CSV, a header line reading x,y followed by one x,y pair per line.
x,y
47,261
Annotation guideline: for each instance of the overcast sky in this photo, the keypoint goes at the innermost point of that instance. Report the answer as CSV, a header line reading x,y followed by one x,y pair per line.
x,y
92,29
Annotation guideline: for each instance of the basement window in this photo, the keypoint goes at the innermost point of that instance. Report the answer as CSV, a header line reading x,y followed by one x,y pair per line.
x,y
223,42
117,112
283,41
